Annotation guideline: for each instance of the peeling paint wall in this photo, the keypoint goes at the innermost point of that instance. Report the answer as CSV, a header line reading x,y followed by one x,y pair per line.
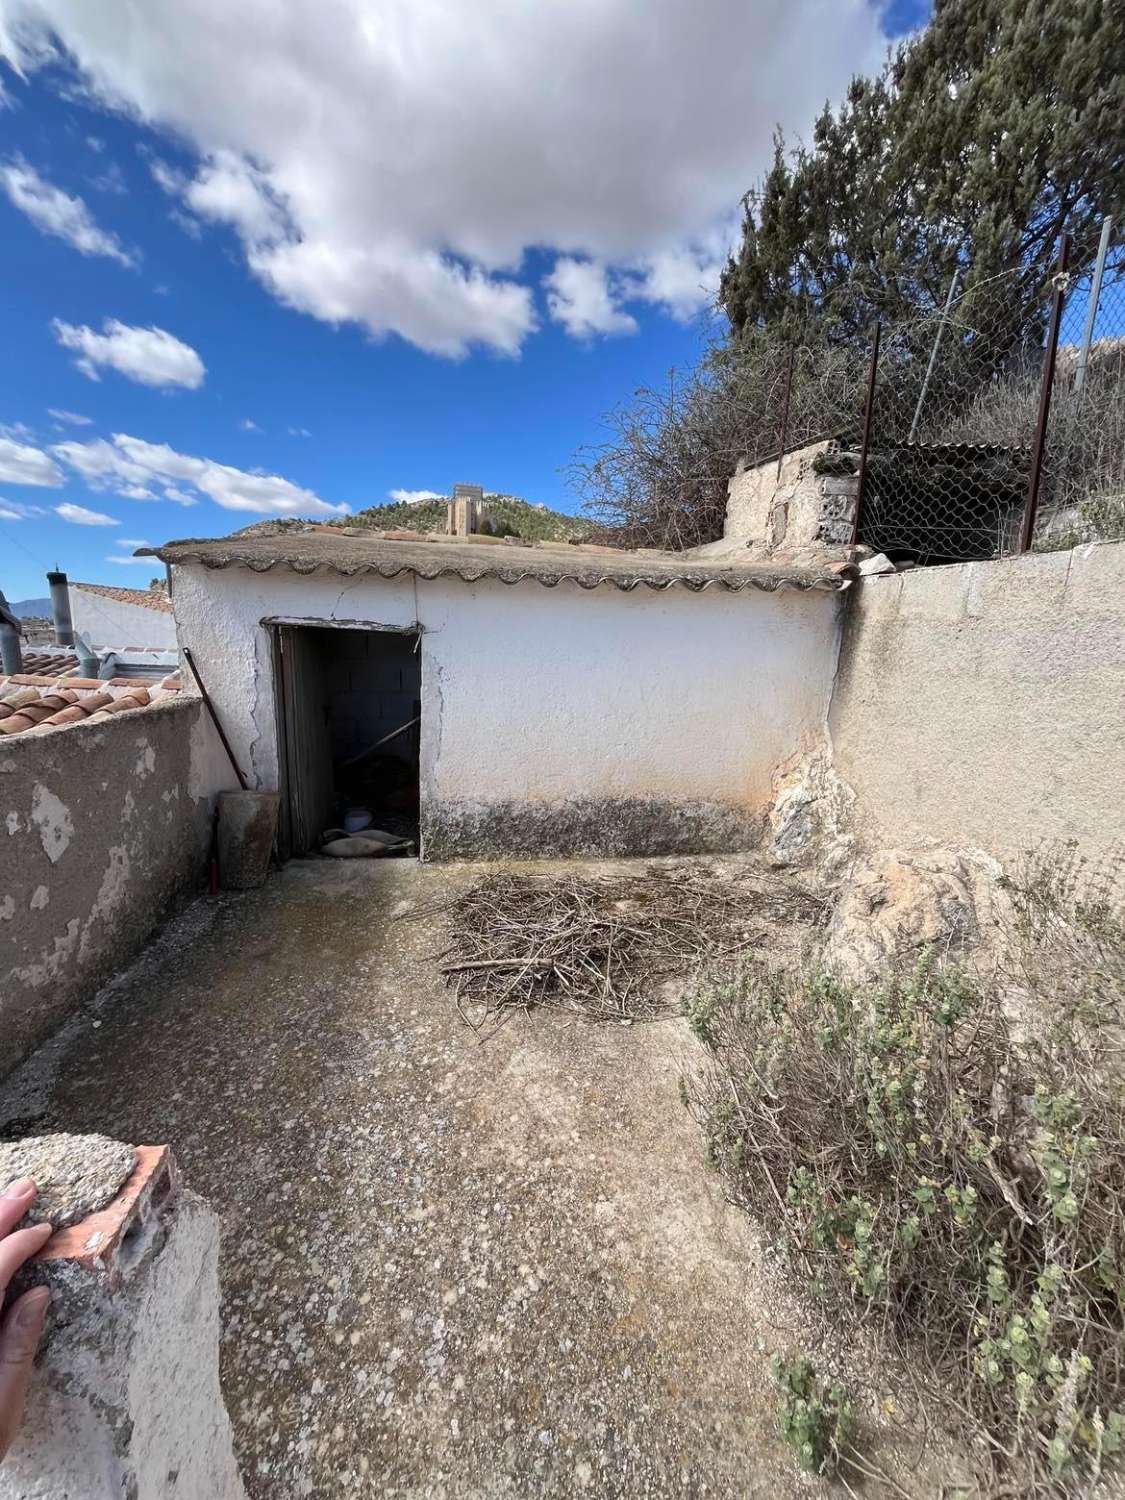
x,y
553,720
104,825
983,705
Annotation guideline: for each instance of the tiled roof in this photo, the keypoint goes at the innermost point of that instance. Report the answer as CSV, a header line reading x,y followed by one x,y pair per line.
x,y
49,663
471,558
30,702
146,598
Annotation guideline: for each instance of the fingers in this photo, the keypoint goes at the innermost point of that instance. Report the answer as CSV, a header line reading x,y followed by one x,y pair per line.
x,y
19,1339
18,1247
18,1198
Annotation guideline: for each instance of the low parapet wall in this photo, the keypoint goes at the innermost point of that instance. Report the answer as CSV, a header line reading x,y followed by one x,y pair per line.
x,y
102,827
984,704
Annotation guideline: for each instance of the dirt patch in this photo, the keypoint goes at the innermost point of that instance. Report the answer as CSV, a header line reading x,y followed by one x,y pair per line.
x,y
448,1269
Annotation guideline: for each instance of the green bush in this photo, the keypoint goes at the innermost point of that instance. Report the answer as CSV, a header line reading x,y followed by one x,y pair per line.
x,y
815,1419
961,1186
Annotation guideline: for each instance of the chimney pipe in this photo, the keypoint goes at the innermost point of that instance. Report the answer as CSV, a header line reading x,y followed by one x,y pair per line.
x,y
88,663
60,608
11,654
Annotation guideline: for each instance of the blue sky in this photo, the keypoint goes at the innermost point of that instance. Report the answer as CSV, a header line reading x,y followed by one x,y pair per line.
x,y
434,296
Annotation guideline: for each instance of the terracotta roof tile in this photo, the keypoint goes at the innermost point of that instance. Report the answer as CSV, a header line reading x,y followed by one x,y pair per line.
x,y
49,663
40,703
144,598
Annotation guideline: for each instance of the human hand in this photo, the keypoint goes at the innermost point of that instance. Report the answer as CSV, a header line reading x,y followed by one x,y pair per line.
x,y
23,1322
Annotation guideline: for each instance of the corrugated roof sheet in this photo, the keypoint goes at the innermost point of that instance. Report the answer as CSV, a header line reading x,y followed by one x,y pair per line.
x,y
546,563
145,598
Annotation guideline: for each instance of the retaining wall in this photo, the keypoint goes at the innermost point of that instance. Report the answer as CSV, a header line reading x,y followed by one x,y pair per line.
x,y
984,704
102,827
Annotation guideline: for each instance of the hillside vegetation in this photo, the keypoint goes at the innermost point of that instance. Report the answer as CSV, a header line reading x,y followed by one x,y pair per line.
x,y
510,515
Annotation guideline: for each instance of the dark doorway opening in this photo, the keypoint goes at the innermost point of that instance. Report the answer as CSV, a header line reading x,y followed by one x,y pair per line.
x,y
348,703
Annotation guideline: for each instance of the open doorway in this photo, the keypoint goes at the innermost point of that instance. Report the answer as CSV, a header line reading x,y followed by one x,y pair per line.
x,y
349,703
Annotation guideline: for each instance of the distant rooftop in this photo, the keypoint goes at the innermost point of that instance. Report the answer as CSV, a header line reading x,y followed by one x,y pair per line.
x,y
146,598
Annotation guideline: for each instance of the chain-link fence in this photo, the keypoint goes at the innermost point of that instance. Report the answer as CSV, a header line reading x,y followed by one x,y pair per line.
x,y
998,423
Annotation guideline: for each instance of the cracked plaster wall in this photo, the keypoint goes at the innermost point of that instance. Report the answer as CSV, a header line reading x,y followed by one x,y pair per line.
x,y
553,720
102,827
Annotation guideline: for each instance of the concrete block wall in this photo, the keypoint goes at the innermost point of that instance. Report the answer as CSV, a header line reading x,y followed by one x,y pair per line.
x,y
983,704
373,682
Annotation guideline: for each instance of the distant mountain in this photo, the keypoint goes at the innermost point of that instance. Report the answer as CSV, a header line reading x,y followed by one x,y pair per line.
x,y
28,609
510,515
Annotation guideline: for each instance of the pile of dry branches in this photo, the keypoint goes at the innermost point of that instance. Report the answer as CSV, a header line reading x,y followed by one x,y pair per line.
x,y
600,946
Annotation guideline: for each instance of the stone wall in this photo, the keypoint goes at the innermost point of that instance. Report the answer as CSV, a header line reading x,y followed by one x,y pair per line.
x,y
795,505
983,705
103,827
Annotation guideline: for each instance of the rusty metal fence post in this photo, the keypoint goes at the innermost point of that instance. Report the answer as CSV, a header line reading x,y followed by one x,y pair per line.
x,y
785,410
1039,443
865,440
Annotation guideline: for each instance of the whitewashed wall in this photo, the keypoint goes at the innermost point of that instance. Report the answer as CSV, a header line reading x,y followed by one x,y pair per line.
x,y
103,622
554,720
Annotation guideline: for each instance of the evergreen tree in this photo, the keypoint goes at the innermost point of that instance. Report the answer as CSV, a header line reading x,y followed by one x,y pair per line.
x,y
981,139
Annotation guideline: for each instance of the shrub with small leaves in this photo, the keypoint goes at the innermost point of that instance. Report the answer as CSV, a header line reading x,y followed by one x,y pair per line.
x,y
960,1182
815,1418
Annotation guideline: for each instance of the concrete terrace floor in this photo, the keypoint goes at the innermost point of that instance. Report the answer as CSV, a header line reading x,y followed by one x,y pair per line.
x,y
449,1269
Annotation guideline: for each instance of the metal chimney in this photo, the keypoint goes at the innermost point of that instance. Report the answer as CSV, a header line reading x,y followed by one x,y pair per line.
x,y
11,655
60,608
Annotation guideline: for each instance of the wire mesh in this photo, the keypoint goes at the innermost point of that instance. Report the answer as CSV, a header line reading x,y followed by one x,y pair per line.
x,y
1083,487
955,411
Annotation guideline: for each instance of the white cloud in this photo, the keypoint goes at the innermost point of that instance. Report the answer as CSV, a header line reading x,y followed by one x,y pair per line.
x,y
167,177
70,418
20,463
299,432
131,541
374,175
136,492
83,517
131,461
12,510
683,281
56,212
144,562
579,297
249,425
150,356
414,497
112,180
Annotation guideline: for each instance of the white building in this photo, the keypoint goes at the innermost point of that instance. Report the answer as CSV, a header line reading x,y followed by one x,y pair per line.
x,y
118,619
569,699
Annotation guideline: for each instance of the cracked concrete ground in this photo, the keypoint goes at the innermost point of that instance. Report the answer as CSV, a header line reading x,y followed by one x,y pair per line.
x,y
449,1268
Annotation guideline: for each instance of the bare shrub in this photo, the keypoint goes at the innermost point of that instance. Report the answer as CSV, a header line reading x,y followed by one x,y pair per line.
x,y
660,478
953,1180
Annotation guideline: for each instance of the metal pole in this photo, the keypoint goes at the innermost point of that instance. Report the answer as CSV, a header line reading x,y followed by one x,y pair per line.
x,y
214,718
1092,306
934,353
1027,529
11,654
865,441
785,413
